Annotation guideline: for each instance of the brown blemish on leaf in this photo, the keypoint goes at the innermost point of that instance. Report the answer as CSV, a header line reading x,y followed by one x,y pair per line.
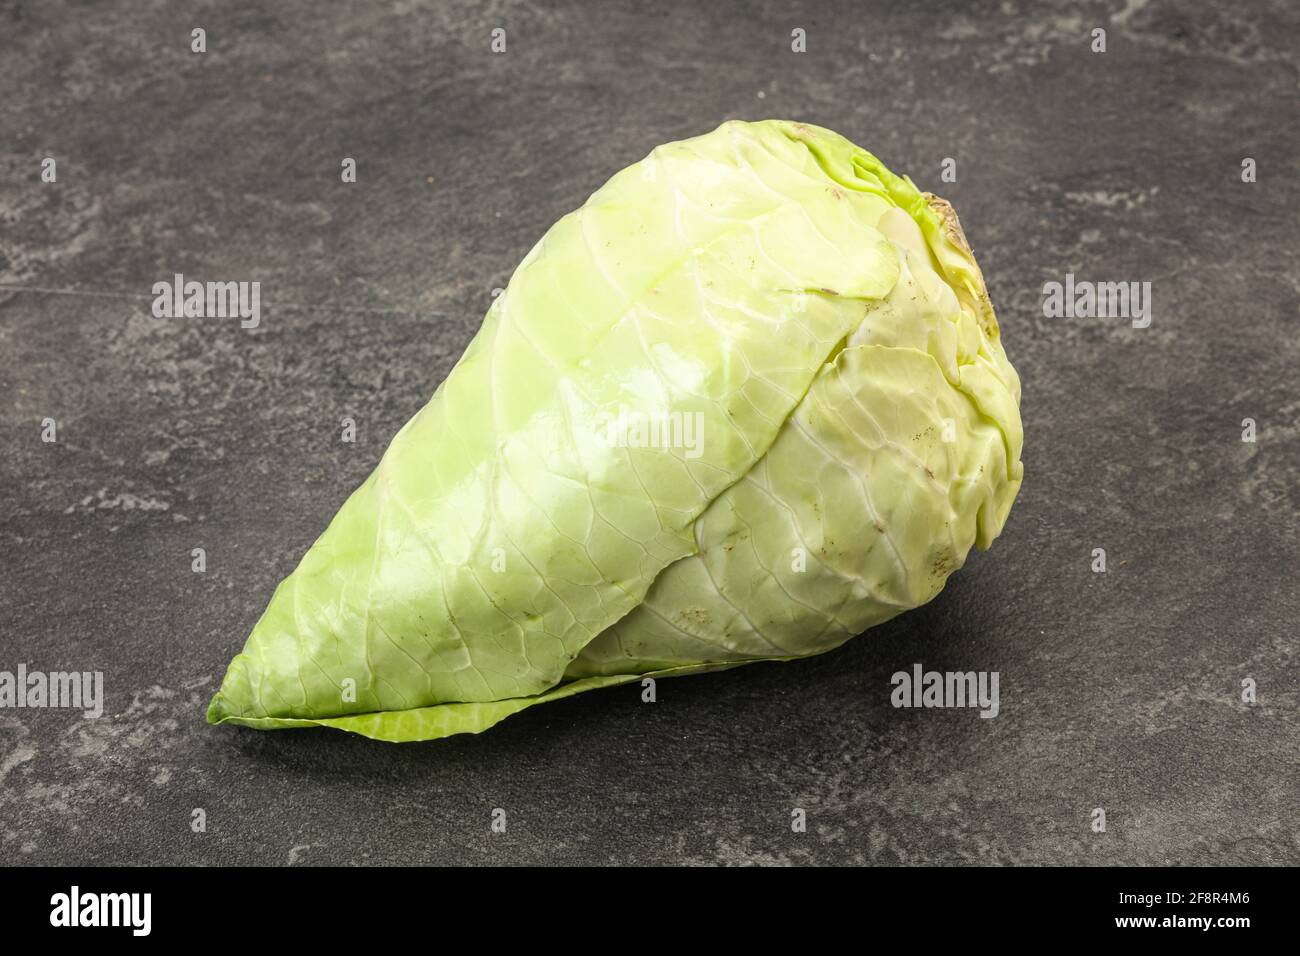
x,y
697,616
942,565
953,233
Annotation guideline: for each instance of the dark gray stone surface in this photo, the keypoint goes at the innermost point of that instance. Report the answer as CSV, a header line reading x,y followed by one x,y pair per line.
x,y
1120,691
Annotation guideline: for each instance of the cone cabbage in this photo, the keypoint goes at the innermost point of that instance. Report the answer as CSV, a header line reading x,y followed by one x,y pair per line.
x,y
746,402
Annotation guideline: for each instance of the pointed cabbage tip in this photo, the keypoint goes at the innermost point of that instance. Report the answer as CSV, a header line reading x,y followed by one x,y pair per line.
x,y
217,711
232,697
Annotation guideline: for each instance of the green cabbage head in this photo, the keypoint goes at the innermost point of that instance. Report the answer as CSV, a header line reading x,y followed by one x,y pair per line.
x,y
746,402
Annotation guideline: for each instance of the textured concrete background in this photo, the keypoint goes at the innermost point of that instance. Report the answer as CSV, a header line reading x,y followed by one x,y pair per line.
x,y
1119,690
